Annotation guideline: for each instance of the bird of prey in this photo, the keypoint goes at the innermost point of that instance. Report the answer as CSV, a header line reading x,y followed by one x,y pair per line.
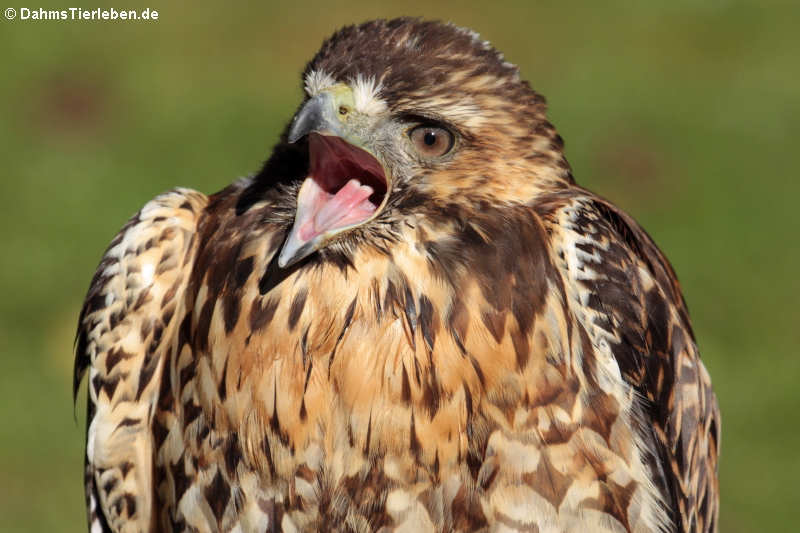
x,y
410,319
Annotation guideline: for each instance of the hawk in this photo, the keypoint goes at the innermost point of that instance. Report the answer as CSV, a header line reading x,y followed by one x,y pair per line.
x,y
411,319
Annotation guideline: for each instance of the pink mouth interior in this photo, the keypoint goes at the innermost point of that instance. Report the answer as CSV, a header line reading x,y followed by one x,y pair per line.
x,y
345,186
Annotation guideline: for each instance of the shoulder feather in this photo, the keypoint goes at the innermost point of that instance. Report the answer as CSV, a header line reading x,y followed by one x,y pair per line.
x,y
630,297
130,307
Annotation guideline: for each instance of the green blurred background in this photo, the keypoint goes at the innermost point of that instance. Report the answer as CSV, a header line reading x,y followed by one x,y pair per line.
x,y
686,113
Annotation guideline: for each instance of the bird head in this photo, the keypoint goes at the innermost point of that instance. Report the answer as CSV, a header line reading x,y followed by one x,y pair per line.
x,y
407,121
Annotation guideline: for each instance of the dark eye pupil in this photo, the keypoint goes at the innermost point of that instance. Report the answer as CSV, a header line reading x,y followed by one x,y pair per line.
x,y
430,138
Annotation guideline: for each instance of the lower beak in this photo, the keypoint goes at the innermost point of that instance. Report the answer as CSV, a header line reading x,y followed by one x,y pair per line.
x,y
301,240
345,188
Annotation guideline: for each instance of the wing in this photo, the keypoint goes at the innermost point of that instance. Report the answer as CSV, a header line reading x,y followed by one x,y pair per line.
x,y
630,298
132,304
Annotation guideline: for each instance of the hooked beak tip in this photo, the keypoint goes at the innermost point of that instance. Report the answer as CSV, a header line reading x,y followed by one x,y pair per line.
x,y
315,115
295,133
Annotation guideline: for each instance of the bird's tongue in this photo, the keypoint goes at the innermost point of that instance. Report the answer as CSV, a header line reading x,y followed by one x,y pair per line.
x,y
322,211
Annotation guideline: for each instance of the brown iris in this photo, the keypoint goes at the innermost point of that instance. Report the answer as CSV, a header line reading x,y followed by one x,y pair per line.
x,y
431,141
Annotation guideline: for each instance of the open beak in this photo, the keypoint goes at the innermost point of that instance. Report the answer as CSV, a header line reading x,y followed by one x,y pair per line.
x,y
346,185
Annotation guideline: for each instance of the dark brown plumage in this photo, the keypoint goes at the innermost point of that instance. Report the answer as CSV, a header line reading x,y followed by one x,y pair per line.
x,y
411,319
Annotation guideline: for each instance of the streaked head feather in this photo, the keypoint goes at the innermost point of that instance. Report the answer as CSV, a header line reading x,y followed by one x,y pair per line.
x,y
366,92
316,81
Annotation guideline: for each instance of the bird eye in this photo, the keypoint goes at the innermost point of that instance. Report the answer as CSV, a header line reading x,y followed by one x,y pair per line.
x,y
431,141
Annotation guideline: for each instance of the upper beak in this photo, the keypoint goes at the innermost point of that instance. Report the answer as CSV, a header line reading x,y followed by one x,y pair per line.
x,y
317,115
